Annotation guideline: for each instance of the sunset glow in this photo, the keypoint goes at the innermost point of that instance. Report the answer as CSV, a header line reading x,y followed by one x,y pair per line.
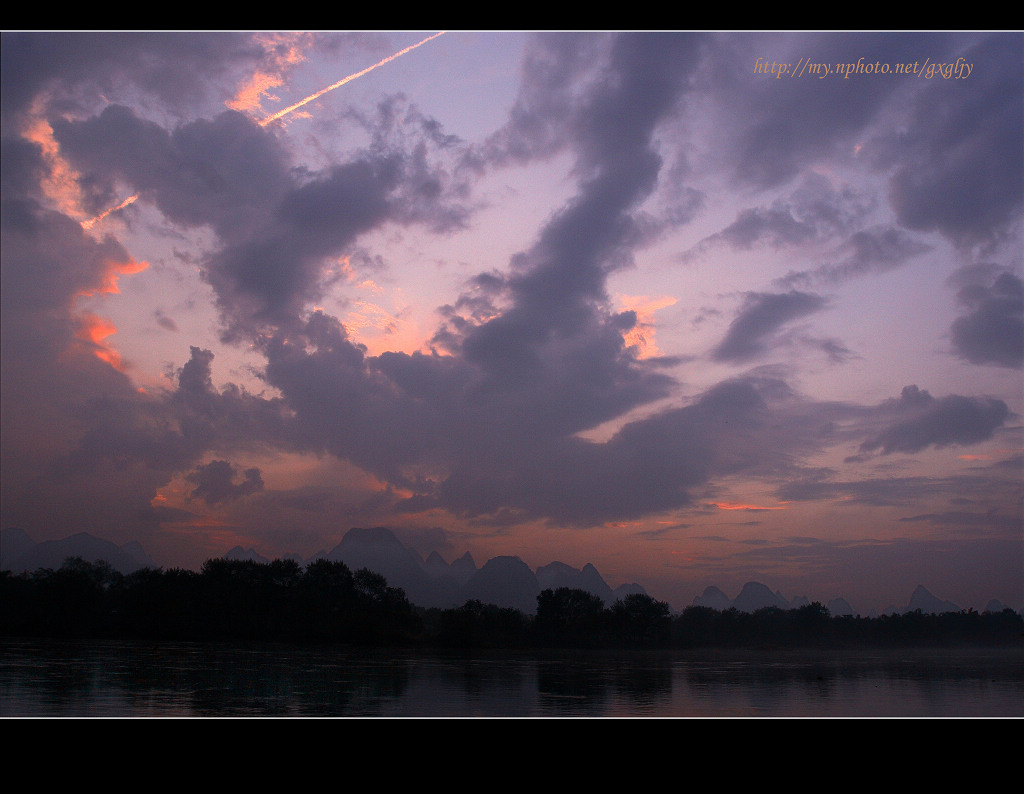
x,y
581,297
285,111
95,330
88,224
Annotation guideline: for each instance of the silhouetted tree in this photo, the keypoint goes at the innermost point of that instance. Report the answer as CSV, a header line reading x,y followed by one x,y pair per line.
x,y
569,616
479,625
638,619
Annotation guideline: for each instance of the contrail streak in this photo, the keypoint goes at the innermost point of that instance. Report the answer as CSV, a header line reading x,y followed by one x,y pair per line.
x,y
88,224
93,221
344,80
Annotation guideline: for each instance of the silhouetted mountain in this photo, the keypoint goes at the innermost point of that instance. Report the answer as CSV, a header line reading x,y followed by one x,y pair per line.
x,y
755,596
14,543
929,604
713,598
505,582
623,590
839,607
463,568
558,574
555,574
135,550
245,555
435,565
52,553
378,550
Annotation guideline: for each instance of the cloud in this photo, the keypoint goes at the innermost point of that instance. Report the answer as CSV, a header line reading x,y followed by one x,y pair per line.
x,y
281,52
316,95
650,465
773,129
922,421
164,321
413,420
226,172
555,66
866,252
813,212
491,426
775,224
178,68
279,229
984,487
961,165
759,320
215,482
992,330
993,519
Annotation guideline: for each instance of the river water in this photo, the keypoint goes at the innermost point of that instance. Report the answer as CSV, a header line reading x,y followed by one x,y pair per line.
x,y
124,679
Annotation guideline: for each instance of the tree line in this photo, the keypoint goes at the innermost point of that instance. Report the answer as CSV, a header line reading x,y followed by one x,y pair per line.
x,y
326,602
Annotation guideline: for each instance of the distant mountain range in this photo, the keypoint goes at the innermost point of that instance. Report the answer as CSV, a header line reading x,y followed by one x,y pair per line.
x,y
19,553
755,596
504,581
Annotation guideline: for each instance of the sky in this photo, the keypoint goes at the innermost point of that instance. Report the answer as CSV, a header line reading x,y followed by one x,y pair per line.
x,y
697,308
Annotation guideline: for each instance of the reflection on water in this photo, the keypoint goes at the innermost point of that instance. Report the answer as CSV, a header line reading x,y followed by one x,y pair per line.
x,y
47,679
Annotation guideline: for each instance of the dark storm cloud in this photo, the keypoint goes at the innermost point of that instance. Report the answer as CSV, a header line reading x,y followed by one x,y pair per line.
x,y
759,320
144,440
882,492
108,448
493,429
775,225
921,421
490,431
540,122
834,350
961,164
612,124
812,212
868,251
48,261
345,405
537,354
992,519
48,258
164,321
227,172
652,464
992,330
23,167
989,486
267,279
417,147
231,418
215,482
49,367
49,370
277,227
780,126
554,362
175,67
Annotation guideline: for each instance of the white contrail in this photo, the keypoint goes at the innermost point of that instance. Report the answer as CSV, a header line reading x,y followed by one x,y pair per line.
x,y
344,80
88,224
93,221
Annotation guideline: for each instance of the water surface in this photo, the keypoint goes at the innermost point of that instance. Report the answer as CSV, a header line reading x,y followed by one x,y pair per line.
x,y
127,679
